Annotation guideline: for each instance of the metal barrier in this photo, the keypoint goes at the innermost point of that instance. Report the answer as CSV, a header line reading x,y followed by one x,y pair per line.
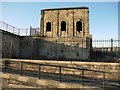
x,y
6,62
105,50
9,28
22,32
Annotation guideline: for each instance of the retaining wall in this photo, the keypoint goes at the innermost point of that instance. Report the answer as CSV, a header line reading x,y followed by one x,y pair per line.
x,y
14,46
16,81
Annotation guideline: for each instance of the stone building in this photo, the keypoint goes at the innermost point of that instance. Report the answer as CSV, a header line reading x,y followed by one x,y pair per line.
x,y
69,27
65,22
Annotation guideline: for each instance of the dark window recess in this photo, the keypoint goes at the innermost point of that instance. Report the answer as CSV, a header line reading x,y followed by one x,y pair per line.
x,y
77,44
61,50
47,53
63,26
48,26
79,26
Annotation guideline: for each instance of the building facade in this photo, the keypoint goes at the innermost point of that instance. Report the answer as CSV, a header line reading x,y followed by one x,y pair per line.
x,y
65,22
70,28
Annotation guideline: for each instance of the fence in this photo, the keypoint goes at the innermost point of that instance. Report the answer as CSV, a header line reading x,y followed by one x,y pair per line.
x,y
21,71
105,49
106,45
22,32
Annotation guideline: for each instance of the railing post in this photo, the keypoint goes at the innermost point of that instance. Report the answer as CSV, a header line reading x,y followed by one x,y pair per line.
x,y
82,77
21,68
4,67
103,80
13,30
111,45
39,72
18,31
26,31
6,27
60,73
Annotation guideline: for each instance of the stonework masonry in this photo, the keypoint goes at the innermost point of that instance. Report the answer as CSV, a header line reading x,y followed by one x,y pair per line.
x,y
69,25
71,16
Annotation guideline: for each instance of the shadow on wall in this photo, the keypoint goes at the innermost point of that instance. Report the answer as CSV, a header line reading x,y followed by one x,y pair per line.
x,y
55,50
104,56
14,46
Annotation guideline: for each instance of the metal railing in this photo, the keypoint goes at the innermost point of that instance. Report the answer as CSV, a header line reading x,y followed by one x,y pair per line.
x,y
106,49
9,28
83,70
22,32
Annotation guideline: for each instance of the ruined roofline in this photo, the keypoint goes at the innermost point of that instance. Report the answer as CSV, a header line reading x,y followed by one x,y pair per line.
x,y
84,7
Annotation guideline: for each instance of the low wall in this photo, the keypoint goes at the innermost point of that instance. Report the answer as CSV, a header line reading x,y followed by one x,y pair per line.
x,y
107,67
16,81
10,44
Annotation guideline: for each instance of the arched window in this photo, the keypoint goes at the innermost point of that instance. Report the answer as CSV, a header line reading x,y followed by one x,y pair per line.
x,y
79,26
63,26
48,26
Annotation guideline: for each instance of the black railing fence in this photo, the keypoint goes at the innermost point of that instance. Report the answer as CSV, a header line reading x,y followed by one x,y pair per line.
x,y
106,44
105,50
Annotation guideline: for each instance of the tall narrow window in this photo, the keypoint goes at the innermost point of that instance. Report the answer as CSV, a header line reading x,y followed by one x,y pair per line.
x,y
63,26
79,26
48,26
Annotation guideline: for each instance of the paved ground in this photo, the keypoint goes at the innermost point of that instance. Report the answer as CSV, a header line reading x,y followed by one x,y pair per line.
x,y
109,85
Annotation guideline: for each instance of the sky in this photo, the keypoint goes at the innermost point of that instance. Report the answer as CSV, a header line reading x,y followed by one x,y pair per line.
x,y
103,16
119,23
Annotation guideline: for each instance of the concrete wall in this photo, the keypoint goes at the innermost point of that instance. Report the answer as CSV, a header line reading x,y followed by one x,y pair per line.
x,y
14,46
0,44
10,44
52,49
